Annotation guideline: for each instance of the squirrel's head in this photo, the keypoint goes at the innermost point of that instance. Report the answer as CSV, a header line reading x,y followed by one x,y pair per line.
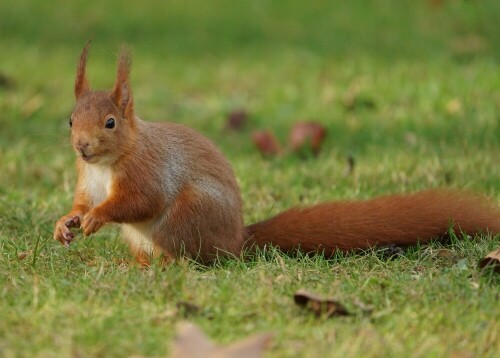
x,y
103,123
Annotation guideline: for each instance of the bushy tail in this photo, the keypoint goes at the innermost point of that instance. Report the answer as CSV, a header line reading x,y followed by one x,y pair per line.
x,y
396,219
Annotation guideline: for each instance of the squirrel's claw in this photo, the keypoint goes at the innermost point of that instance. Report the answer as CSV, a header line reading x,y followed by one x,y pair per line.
x,y
72,222
91,224
62,232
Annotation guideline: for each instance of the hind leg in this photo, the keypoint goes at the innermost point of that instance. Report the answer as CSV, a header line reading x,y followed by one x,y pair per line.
x,y
138,237
141,257
201,224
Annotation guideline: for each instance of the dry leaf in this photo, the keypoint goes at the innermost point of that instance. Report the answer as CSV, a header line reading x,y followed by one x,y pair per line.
x,y
192,342
307,136
491,260
266,143
236,120
320,306
22,255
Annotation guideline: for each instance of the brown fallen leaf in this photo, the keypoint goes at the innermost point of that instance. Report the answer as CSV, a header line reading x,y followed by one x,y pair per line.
x,y
266,143
192,342
236,120
307,136
491,260
320,306
22,255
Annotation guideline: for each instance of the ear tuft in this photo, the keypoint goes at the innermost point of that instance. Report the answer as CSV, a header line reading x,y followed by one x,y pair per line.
x,y
81,82
121,93
124,63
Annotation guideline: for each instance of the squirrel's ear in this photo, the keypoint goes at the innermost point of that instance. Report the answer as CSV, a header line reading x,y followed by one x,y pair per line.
x,y
121,93
81,83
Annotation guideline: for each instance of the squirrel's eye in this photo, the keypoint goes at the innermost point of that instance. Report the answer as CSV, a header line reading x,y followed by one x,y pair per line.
x,y
110,123
70,122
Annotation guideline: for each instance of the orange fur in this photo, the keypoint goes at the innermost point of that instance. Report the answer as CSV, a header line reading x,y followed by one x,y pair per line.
x,y
395,219
81,83
176,195
145,259
142,258
121,93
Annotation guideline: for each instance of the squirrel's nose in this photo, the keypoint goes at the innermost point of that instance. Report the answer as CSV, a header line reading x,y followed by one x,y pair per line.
x,y
82,145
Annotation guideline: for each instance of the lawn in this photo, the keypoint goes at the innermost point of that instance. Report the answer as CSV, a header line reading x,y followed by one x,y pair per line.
x,y
409,90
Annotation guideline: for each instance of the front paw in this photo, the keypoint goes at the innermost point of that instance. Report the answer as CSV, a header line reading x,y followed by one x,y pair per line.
x,y
92,222
62,232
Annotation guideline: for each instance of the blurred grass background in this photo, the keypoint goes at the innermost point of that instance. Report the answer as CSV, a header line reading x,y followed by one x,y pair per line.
x,y
409,89
385,29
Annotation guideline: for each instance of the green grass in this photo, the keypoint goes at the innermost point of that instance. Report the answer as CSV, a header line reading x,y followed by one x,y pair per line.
x,y
281,61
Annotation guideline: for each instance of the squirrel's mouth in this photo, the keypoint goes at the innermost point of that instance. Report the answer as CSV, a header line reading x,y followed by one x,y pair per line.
x,y
86,157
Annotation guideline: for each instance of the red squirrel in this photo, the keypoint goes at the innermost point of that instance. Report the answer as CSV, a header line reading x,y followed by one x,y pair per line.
x,y
175,194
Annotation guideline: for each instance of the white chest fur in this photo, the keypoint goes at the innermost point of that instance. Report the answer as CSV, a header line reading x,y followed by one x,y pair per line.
x,y
97,185
97,182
